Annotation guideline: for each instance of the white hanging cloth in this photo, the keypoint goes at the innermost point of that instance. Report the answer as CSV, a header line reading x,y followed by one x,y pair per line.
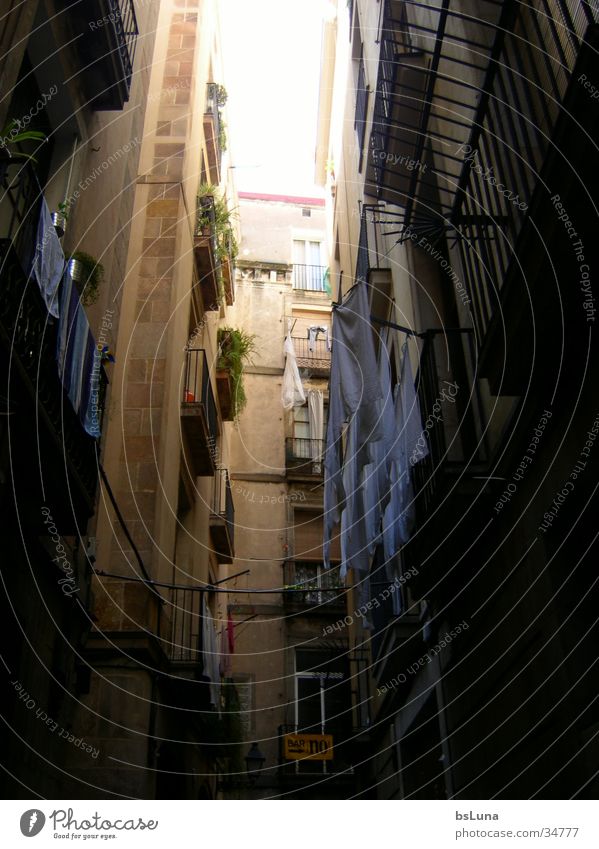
x,y
316,423
292,392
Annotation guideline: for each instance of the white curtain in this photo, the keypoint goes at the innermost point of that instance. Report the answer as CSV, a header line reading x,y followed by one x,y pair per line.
x,y
316,424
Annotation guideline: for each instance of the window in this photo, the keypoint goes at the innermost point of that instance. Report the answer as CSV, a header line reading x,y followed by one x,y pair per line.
x,y
307,213
308,265
318,582
322,700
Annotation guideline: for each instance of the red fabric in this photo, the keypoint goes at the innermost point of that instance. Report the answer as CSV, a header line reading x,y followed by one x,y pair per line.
x,y
231,634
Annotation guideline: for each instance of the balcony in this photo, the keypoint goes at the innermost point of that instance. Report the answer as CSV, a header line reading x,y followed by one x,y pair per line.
x,y
48,440
222,517
304,457
314,589
206,255
435,139
185,685
315,355
105,36
199,419
310,278
227,267
396,640
213,133
447,378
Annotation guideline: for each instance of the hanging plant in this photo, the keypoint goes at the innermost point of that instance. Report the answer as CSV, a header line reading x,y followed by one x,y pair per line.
x,y
235,349
87,274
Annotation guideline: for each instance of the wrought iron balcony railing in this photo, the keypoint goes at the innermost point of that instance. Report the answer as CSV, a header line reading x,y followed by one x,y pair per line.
x,y
304,456
313,355
213,132
480,98
106,38
309,277
222,517
361,108
448,382
314,587
67,452
199,417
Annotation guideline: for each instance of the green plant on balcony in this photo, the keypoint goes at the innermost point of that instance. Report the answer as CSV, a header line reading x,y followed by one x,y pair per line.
x,y
12,135
222,133
216,219
221,95
235,349
88,275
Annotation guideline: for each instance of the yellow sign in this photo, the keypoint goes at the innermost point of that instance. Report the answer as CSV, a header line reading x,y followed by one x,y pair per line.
x,y
311,747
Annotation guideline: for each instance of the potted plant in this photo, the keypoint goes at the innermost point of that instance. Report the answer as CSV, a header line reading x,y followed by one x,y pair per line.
x,y
60,218
235,349
214,227
87,274
11,136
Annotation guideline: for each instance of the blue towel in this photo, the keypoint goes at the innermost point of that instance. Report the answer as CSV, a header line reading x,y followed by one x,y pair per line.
x,y
78,358
48,260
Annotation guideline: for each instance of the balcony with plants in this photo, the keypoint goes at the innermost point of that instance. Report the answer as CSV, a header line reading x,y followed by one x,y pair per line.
x,y
215,249
235,350
215,132
311,588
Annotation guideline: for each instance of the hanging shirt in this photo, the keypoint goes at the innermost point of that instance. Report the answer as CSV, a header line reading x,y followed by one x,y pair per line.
x,y
48,260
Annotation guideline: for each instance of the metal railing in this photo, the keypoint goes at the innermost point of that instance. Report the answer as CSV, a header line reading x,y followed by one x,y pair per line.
x,y
526,89
222,501
213,109
361,108
20,205
451,409
25,328
316,353
309,277
197,388
185,613
307,453
123,19
206,218
320,586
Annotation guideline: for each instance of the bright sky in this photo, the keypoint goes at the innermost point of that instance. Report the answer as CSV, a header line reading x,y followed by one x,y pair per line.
x,y
271,54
